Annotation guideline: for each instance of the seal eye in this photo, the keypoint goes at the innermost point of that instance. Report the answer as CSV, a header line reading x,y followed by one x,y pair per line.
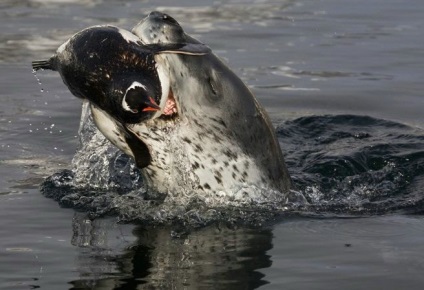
x,y
137,99
212,85
169,19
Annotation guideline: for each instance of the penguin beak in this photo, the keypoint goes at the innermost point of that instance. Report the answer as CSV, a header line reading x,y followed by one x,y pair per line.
x,y
151,106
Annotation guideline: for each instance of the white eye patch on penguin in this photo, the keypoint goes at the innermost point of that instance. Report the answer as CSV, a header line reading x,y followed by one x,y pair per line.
x,y
137,99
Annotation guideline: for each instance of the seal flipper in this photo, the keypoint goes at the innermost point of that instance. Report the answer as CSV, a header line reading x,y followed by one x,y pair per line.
x,y
179,48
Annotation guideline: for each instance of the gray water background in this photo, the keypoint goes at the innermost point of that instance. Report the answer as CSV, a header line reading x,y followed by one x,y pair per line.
x,y
300,58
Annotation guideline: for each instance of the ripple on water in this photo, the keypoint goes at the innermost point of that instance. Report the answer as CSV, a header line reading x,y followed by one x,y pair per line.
x,y
385,227
344,165
355,164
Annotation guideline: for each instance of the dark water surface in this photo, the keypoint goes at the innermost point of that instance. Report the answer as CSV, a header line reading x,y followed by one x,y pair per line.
x,y
342,81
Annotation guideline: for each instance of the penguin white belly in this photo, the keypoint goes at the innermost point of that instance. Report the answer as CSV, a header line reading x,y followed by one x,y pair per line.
x,y
110,129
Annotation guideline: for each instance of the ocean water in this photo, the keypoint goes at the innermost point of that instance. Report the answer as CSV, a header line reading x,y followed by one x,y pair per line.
x,y
342,83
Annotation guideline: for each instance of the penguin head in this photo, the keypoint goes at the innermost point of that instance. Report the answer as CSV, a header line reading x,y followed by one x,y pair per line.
x,y
139,102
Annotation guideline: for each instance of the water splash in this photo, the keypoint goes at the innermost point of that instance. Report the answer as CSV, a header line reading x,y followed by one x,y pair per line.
x,y
355,164
341,164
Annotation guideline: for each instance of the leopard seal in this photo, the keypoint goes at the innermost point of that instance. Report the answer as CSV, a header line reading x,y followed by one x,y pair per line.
x,y
221,141
210,140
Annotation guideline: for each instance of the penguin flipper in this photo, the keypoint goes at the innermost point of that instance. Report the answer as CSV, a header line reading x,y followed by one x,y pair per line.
x,y
139,149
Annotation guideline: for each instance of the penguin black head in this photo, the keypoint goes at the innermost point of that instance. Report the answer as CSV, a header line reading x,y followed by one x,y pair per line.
x,y
139,102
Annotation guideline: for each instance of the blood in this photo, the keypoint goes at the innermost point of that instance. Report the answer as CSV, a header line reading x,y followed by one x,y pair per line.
x,y
170,105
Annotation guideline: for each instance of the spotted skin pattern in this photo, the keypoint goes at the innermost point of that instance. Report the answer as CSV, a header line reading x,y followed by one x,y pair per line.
x,y
222,141
211,139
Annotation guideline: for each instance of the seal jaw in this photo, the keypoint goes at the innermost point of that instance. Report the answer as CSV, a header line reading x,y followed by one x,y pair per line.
x,y
170,111
168,102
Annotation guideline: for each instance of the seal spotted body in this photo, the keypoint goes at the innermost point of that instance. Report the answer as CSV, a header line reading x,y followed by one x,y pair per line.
x,y
210,138
222,140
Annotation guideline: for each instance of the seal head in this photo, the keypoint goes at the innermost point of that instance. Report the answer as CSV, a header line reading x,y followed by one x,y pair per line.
x,y
222,139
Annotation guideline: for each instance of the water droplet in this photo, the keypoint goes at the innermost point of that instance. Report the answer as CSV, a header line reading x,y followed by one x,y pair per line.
x,y
34,72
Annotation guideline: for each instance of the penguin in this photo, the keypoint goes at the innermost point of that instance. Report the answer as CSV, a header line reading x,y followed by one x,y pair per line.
x,y
112,68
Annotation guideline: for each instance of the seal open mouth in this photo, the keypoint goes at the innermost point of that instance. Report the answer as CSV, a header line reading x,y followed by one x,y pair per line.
x,y
170,105
170,108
